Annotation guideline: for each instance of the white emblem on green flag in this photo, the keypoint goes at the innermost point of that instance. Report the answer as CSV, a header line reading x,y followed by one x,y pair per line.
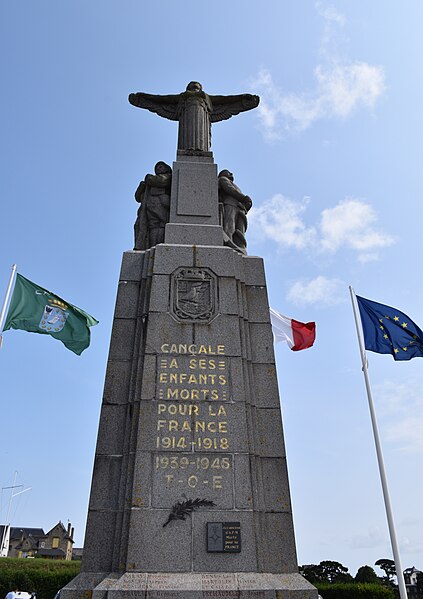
x,y
37,310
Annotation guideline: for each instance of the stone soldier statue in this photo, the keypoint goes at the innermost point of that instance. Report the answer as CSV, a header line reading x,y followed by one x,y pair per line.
x,y
154,196
234,207
195,110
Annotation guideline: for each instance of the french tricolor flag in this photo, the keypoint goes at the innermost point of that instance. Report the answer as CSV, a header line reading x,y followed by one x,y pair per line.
x,y
298,335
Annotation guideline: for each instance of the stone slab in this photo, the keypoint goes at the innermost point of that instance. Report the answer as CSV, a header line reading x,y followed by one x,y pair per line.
x,y
127,299
269,438
205,475
123,337
167,258
193,234
117,383
132,266
191,585
152,547
194,196
261,342
265,392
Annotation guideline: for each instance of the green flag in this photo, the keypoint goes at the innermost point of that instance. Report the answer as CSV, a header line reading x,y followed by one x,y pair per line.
x,y
37,310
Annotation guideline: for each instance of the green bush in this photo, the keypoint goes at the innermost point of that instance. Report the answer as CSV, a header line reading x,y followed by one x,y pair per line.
x,y
354,591
41,576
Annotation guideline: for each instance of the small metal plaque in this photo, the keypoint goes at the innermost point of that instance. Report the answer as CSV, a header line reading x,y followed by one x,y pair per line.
x,y
224,537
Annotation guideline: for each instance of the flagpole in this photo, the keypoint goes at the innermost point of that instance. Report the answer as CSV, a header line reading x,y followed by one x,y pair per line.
x,y
383,479
6,299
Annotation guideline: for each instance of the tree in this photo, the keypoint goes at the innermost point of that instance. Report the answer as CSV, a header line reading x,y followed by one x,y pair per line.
x,y
388,566
366,574
335,572
326,571
311,572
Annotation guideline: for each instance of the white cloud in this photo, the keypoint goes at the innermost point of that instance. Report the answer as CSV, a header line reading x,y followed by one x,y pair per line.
x,y
401,412
350,224
320,290
331,14
341,86
280,219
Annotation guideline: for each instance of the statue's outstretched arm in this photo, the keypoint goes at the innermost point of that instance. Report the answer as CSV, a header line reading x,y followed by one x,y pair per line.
x,y
226,106
165,106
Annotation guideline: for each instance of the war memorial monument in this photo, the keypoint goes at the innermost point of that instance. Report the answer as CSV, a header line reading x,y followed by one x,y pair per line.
x,y
190,494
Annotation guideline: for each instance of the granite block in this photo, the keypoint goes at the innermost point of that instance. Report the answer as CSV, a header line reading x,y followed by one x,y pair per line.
x,y
194,192
99,541
253,270
224,330
258,304
173,586
287,586
168,258
122,340
162,328
117,383
105,483
219,259
160,293
185,474
276,486
142,482
82,585
194,234
269,436
149,372
265,392
127,299
243,489
128,586
245,561
132,266
277,552
153,548
261,341
237,381
100,591
228,296
112,429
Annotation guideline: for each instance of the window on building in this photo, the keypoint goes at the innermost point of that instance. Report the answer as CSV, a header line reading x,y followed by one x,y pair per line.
x,y
55,543
43,544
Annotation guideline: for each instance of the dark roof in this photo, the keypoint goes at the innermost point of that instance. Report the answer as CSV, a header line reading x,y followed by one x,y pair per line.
x,y
51,552
16,532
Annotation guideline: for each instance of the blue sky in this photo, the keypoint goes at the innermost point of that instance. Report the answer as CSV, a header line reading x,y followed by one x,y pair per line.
x,y
331,160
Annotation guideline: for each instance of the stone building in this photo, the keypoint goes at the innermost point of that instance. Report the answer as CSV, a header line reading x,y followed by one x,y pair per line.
x,y
30,542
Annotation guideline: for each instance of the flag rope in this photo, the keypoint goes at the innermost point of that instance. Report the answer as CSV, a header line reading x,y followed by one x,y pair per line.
x,y
382,472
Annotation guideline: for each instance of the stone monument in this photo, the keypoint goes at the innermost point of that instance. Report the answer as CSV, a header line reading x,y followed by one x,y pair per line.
x,y
190,495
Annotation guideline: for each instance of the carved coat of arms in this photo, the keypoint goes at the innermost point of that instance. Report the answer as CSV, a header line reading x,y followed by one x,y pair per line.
x,y
194,295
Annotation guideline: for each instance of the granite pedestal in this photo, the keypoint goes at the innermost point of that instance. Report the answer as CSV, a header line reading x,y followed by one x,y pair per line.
x,y
190,411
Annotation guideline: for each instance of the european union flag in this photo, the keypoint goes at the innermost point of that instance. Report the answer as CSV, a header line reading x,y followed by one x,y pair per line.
x,y
388,331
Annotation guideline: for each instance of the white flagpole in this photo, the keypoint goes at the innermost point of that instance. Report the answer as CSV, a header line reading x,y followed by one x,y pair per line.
x,y
388,508
6,299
